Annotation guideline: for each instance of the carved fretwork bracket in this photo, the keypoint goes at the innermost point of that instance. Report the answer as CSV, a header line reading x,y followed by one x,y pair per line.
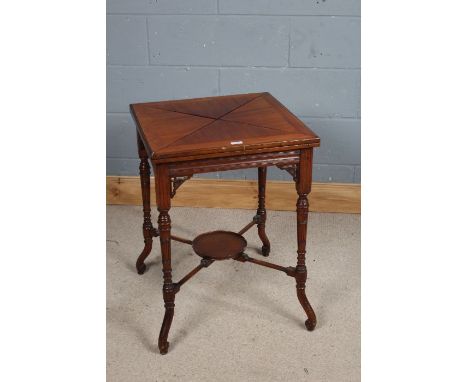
x,y
176,182
291,168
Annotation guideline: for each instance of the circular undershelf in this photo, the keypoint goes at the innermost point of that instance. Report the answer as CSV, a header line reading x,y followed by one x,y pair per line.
x,y
219,245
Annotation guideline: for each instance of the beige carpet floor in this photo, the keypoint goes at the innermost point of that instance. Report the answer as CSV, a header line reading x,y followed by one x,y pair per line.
x,y
235,321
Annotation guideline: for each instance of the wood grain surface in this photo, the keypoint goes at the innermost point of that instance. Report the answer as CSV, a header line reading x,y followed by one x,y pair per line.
x,y
219,126
280,195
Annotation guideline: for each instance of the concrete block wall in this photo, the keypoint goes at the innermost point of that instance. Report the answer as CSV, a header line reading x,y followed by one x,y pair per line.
x,y
305,52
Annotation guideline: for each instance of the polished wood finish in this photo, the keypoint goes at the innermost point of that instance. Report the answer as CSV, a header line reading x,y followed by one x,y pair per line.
x,y
198,166
303,186
290,271
219,245
249,225
181,240
145,191
219,126
261,211
204,263
186,137
163,198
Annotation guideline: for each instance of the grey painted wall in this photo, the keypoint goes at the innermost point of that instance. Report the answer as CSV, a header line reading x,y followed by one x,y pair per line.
x,y
305,52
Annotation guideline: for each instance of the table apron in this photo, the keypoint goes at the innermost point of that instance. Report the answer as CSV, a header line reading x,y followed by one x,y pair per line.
x,y
233,163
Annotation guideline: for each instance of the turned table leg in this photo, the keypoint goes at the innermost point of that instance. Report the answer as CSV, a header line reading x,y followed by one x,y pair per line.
x,y
303,187
163,198
261,211
145,193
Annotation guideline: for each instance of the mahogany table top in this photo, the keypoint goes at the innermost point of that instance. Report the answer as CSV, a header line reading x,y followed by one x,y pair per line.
x,y
219,126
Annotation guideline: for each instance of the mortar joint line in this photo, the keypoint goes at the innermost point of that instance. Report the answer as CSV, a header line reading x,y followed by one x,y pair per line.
x,y
289,43
148,41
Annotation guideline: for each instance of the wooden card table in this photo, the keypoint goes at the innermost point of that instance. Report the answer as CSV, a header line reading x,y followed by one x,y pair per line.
x,y
187,137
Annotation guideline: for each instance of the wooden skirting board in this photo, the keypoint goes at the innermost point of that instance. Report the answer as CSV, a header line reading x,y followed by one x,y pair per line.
x,y
280,195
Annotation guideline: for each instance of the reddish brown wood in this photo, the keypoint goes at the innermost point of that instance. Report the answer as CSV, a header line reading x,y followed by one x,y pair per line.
x,y
183,168
207,107
303,186
163,199
155,233
204,263
176,182
243,257
181,240
290,168
219,245
219,126
187,137
148,229
261,211
248,226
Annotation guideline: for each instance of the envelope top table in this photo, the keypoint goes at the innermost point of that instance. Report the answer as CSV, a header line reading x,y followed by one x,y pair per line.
x,y
219,126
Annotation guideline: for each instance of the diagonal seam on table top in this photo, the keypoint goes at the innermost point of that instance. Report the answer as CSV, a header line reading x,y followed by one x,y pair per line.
x,y
181,112
247,123
184,116
239,123
213,121
159,107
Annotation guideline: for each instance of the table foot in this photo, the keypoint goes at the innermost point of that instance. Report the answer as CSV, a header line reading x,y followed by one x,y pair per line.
x,y
141,268
311,321
140,263
163,344
303,186
164,348
310,325
266,250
